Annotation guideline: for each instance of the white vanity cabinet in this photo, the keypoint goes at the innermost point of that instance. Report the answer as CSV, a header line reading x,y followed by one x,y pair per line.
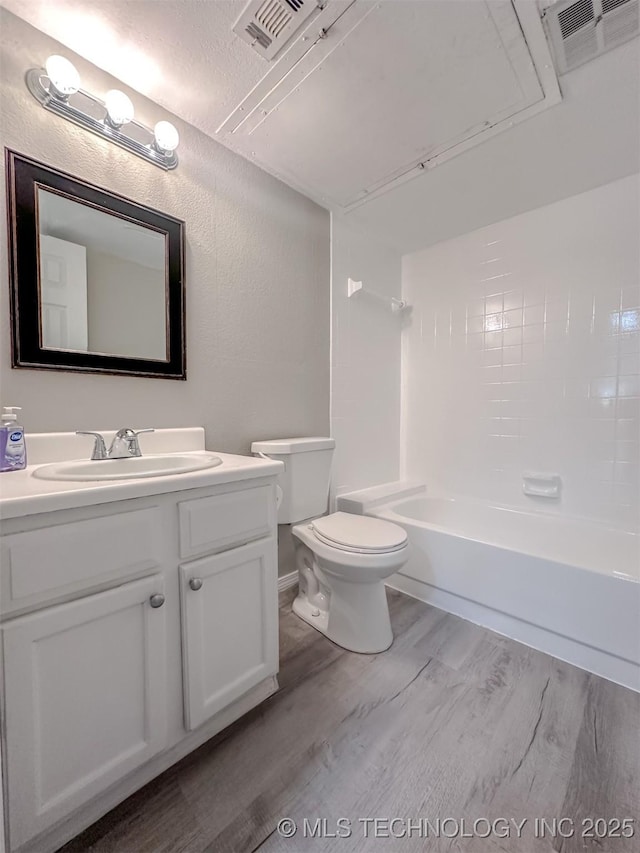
x,y
229,615
131,631
229,628
85,687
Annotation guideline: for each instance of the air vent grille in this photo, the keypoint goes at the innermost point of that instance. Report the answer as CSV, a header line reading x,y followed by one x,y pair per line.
x,y
267,25
622,23
273,17
580,30
610,5
575,16
258,35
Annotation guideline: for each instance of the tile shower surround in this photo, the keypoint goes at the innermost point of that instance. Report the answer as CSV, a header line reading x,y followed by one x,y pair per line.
x,y
523,353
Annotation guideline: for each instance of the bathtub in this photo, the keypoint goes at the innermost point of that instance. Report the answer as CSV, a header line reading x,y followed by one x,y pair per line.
x,y
568,587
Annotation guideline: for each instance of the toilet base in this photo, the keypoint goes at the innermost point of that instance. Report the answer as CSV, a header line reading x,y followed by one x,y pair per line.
x,y
318,619
357,618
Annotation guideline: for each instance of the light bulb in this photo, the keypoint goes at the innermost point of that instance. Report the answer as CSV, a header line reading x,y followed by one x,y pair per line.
x,y
166,135
119,108
63,76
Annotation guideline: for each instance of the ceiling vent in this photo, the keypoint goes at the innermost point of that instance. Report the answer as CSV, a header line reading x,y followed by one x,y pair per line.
x,y
267,25
580,30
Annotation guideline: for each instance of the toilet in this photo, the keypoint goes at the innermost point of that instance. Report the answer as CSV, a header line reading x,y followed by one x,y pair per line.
x,y
343,559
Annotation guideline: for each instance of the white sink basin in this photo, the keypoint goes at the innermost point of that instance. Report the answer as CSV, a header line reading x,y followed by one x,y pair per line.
x,y
128,469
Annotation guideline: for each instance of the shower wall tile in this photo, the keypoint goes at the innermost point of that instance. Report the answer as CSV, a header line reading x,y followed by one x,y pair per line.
x,y
523,353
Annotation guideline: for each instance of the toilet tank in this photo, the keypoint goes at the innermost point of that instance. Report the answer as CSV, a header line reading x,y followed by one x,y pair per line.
x,y
305,479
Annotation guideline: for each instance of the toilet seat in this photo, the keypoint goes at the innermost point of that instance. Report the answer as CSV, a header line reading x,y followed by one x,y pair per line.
x,y
359,534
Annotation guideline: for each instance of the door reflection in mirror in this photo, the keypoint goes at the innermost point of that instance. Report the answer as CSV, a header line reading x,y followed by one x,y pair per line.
x,y
102,281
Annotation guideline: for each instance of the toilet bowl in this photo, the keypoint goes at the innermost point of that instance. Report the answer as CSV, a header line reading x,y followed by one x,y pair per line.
x,y
342,559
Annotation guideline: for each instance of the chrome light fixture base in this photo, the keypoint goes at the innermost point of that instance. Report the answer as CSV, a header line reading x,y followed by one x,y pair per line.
x,y
90,112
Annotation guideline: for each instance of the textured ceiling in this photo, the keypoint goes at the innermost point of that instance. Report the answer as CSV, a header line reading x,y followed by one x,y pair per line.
x,y
180,53
590,139
183,55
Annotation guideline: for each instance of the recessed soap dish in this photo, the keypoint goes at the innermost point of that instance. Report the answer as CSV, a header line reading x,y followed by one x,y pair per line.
x,y
541,484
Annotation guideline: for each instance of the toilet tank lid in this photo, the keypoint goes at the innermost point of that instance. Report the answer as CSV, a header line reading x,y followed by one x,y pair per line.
x,y
281,446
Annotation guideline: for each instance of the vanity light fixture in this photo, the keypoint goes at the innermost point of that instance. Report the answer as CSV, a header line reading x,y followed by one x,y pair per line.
x,y
63,77
165,137
119,109
57,88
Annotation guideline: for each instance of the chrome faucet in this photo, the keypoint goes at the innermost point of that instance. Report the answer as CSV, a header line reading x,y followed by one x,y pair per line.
x,y
124,445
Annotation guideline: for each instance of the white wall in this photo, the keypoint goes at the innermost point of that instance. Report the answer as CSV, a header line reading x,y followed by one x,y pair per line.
x,y
523,353
365,360
257,278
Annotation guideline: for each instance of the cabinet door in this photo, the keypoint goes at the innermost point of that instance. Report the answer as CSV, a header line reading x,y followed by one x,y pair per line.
x,y
85,700
229,627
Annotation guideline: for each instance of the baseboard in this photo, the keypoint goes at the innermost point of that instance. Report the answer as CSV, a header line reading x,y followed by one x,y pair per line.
x,y
584,657
287,581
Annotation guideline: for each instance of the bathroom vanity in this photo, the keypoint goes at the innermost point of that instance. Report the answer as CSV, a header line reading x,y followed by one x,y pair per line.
x,y
137,619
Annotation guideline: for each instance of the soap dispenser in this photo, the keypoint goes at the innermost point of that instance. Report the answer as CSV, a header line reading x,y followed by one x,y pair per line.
x,y
13,450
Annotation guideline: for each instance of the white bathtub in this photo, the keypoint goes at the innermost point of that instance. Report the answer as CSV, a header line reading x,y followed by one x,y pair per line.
x,y
568,587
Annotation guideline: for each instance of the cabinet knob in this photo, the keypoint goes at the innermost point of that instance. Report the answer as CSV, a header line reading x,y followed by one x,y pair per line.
x,y
157,600
195,584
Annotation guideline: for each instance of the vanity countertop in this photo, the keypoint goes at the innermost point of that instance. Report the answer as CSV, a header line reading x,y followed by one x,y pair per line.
x,y
23,494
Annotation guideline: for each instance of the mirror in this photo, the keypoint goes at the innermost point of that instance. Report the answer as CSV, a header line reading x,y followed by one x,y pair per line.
x,y
102,281
96,280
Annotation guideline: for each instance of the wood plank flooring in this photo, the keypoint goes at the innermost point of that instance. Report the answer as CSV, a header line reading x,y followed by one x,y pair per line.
x,y
452,722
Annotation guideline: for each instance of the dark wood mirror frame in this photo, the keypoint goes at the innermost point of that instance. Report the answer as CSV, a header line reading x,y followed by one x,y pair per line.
x,y
24,178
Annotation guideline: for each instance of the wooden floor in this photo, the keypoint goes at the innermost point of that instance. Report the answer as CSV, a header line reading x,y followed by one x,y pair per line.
x,y
452,722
